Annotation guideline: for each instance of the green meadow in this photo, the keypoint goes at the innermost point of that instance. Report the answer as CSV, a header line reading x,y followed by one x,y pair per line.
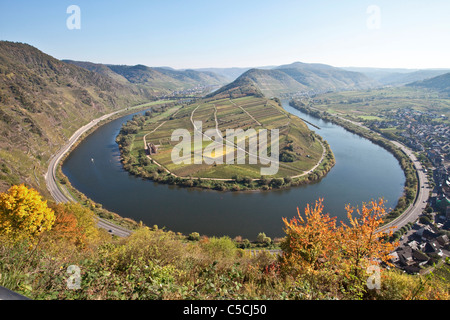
x,y
300,150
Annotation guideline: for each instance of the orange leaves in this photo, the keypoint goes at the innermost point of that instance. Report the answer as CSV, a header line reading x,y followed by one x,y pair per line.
x,y
364,243
66,226
312,240
315,243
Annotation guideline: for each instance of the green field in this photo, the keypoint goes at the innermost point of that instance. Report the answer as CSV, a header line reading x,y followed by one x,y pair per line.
x,y
370,104
300,149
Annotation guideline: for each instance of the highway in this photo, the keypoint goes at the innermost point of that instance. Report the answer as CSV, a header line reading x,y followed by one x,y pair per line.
x,y
415,210
60,194
412,213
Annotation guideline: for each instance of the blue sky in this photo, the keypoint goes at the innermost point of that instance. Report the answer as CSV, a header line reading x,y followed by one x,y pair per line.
x,y
245,33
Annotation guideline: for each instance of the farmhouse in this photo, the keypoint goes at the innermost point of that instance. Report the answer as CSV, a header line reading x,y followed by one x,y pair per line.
x,y
151,148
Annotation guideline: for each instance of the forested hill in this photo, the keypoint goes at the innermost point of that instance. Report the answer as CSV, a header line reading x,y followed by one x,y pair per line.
x,y
159,80
43,101
297,78
440,83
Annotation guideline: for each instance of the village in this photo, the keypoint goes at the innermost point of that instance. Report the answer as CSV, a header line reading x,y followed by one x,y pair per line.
x,y
424,244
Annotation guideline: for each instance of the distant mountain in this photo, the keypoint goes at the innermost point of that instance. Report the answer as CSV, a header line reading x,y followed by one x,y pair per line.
x,y
323,77
398,76
233,73
405,78
230,74
160,80
99,68
297,78
440,83
242,86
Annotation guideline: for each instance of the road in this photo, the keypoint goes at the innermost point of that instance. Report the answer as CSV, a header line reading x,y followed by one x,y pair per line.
x,y
60,194
413,212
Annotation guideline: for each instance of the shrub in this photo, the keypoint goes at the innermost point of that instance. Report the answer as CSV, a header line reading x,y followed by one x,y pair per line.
x,y
220,248
24,215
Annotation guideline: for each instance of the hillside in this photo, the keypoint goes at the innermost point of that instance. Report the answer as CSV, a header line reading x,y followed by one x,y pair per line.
x,y
241,87
300,151
321,77
297,78
159,81
440,84
42,102
398,77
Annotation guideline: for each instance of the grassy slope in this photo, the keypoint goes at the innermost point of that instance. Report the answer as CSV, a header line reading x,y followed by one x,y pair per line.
x,y
260,114
372,102
42,102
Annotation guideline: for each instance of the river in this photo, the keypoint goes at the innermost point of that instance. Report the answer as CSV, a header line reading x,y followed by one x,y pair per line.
x,y
363,171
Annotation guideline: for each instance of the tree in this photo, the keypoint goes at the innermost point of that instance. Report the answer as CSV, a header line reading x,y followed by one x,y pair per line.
x,y
263,239
317,250
309,241
362,245
86,223
65,228
23,214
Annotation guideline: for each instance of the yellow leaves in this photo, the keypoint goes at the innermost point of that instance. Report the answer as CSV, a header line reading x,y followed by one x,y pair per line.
x,y
310,240
23,214
314,243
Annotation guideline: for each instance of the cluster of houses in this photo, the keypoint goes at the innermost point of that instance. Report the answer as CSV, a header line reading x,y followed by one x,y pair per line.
x,y
191,92
426,243
424,246
429,137
420,133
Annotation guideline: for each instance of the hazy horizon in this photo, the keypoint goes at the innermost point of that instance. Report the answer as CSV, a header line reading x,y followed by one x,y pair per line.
x,y
207,34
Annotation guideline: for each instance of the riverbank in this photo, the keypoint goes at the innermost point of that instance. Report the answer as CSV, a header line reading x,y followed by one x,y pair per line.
x,y
244,213
411,188
61,189
138,161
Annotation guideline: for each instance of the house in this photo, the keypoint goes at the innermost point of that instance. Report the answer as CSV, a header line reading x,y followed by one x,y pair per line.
x,y
443,240
409,259
394,257
420,257
152,149
405,256
426,233
433,248
415,245
412,269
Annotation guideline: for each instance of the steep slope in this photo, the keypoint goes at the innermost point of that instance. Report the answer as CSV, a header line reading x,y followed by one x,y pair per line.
x,y
230,74
42,102
158,81
192,78
296,78
242,86
398,77
321,77
440,83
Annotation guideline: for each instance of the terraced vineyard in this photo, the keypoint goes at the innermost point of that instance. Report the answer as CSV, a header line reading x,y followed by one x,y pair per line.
x,y
300,150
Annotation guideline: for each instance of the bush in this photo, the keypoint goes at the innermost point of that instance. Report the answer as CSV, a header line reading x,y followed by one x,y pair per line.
x,y
425,220
263,239
220,248
194,236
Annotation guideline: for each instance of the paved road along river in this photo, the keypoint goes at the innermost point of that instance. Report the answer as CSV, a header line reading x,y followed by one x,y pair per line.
x,y
363,171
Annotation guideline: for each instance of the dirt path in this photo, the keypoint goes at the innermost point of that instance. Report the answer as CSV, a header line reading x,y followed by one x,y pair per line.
x,y
257,122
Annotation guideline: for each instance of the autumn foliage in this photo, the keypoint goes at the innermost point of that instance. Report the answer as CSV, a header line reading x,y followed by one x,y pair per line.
x,y
24,215
319,258
316,248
